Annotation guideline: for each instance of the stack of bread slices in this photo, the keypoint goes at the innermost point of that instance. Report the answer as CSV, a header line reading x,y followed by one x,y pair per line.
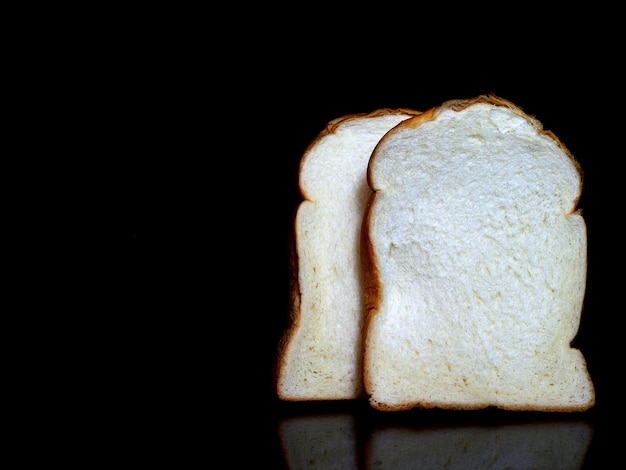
x,y
439,260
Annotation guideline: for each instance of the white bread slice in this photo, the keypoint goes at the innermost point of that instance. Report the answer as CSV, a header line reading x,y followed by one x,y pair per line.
x,y
476,260
320,354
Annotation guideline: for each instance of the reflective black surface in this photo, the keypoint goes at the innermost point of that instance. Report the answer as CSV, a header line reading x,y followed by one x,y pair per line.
x,y
350,435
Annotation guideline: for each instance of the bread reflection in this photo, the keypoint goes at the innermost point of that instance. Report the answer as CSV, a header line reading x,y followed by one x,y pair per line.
x,y
331,441
319,441
530,445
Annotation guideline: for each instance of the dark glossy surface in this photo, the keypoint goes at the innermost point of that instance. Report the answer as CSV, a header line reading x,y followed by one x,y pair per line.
x,y
351,435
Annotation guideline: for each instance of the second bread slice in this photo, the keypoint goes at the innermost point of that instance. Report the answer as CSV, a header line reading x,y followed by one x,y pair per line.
x,y
320,355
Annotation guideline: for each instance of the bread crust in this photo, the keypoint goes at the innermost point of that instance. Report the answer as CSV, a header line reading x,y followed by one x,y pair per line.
x,y
293,320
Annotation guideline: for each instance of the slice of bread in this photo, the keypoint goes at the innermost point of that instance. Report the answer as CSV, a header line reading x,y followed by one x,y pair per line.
x,y
320,354
476,261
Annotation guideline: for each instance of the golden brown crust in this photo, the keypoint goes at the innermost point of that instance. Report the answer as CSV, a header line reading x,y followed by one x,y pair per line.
x,y
371,282
293,320
461,407
369,265
417,120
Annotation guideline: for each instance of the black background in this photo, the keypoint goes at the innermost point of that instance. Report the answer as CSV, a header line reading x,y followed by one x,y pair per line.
x,y
214,126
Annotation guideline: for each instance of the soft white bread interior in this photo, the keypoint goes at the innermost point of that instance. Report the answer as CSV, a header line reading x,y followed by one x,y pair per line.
x,y
320,354
476,259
